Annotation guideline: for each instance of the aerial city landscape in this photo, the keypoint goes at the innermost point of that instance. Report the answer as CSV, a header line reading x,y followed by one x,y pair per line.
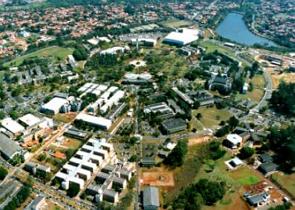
x,y
147,104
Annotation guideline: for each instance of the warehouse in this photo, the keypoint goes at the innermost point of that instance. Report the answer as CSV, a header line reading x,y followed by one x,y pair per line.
x,y
8,148
182,37
12,126
53,106
173,125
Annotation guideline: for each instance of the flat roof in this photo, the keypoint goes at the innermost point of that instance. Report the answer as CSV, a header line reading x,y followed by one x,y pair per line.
x,y
55,104
183,37
29,119
12,126
100,121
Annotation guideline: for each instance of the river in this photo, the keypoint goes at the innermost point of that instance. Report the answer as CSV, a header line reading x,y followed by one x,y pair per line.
x,y
234,28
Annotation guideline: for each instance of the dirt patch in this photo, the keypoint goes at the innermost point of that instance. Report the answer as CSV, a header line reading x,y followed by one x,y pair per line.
x,y
277,78
158,179
198,140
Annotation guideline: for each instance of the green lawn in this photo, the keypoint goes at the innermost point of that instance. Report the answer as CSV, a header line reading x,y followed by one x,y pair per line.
x,y
258,89
235,180
211,117
286,181
58,53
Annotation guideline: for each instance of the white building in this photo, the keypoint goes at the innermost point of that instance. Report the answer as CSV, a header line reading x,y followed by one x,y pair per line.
x,y
182,37
233,141
99,122
72,61
114,50
29,120
54,105
144,42
12,126
79,169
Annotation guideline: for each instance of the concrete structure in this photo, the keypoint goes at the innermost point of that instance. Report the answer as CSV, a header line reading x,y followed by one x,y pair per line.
x,y
114,50
183,96
234,163
8,147
79,169
39,203
53,106
203,97
162,109
258,199
151,199
12,126
149,42
73,132
182,37
98,122
233,141
173,125
29,120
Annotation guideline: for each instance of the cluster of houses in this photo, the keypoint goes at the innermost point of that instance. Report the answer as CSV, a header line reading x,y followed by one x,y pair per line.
x,y
96,158
26,128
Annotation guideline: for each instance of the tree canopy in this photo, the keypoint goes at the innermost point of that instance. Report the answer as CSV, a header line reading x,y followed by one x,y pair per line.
x,y
282,141
283,99
176,157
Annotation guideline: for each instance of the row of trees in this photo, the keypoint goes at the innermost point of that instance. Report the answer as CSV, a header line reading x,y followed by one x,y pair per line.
x,y
20,197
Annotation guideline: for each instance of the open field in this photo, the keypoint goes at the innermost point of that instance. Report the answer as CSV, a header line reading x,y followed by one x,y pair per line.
x,y
286,181
212,116
158,178
277,78
235,181
258,89
58,53
65,118
175,23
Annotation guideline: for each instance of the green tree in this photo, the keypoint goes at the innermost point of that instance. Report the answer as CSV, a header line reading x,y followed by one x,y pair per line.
x,y
3,172
246,152
176,157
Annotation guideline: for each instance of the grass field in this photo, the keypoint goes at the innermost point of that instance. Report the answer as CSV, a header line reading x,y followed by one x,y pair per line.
x,y
58,53
286,181
235,180
211,116
175,23
211,47
258,89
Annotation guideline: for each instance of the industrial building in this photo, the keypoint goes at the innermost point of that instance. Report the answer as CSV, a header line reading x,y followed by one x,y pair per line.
x,y
8,147
151,199
12,126
173,125
53,106
182,37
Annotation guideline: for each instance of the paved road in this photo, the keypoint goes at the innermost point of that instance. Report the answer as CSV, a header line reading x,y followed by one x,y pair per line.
x,y
267,92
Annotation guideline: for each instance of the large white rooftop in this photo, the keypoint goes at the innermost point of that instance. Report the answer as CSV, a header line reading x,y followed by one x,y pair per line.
x,y
234,139
12,126
55,104
182,37
29,119
99,121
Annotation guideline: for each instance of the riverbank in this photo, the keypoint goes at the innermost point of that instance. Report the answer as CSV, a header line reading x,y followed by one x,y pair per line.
x,y
234,28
